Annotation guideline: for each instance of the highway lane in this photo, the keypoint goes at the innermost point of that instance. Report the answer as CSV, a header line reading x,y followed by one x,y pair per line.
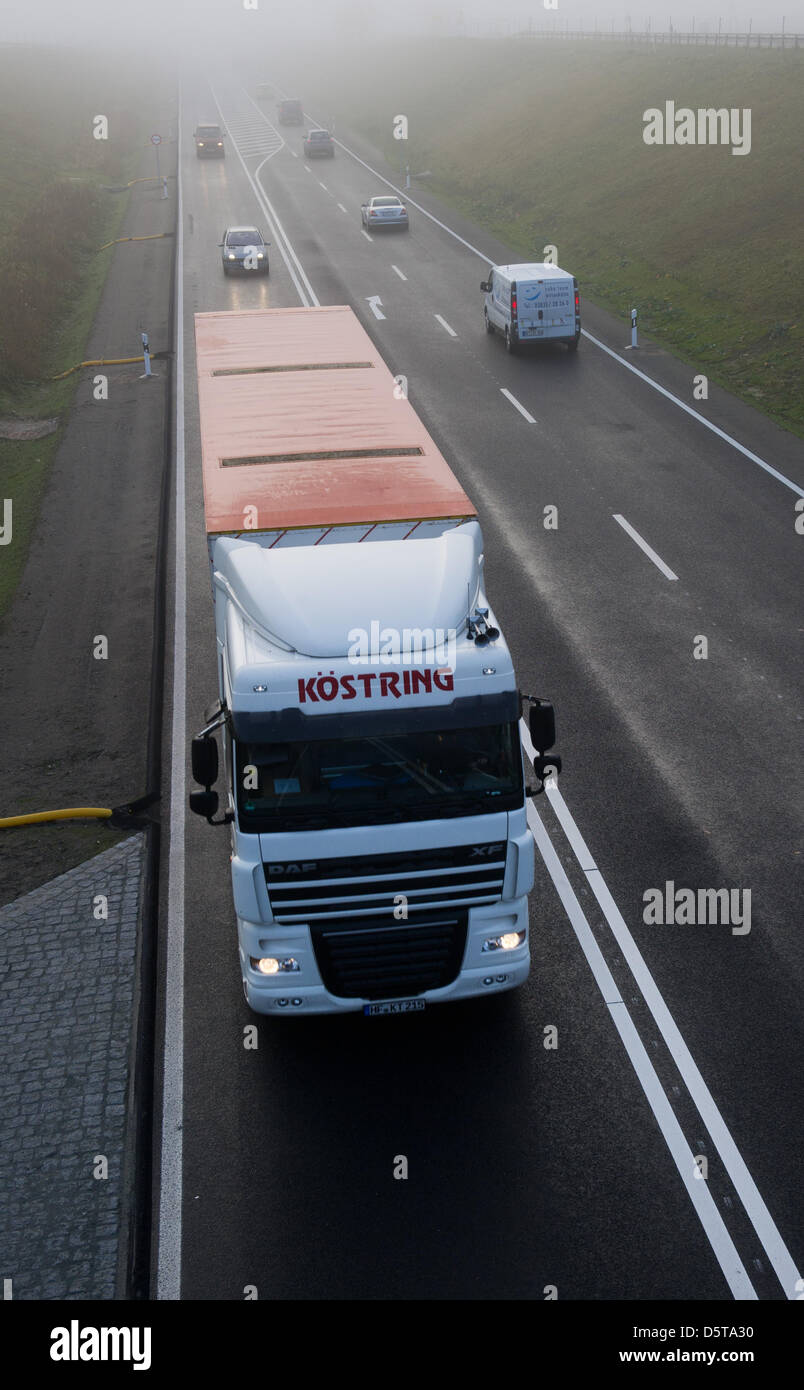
x,y
581,1167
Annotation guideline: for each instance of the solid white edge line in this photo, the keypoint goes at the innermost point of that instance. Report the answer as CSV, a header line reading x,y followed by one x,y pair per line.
x,y
729,439
696,415
170,1178
744,1185
643,545
444,324
399,272
281,238
517,405
723,1247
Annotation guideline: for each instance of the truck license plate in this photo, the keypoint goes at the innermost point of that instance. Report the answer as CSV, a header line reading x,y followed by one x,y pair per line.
x,y
394,1006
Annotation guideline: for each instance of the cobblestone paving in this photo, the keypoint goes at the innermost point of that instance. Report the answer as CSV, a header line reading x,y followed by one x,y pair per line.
x,y
66,1001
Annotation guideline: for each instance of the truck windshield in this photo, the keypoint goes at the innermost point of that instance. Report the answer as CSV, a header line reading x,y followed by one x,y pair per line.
x,y
411,776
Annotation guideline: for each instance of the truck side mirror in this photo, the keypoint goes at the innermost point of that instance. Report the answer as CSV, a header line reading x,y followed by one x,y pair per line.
x,y
204,803
205,764
542,725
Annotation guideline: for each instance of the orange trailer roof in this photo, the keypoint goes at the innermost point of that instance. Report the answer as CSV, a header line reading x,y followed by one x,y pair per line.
x,y
299,419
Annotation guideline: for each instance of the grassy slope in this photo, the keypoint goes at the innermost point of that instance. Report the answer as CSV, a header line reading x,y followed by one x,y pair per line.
x,y
46,108
542,143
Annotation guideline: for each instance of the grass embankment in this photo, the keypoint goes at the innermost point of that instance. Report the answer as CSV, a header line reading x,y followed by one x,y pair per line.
x,y
54,215
541,143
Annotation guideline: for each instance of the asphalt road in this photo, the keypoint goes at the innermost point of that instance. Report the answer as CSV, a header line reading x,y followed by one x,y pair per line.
x,y
528,1167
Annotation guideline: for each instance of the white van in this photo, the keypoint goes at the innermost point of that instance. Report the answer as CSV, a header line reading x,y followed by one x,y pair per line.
x,y
535,302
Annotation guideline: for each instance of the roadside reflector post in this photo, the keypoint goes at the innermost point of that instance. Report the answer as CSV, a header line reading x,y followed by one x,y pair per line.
x,y
156,141
634,342
146,356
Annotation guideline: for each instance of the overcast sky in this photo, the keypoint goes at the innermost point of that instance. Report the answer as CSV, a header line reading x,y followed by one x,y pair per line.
x,y
108,22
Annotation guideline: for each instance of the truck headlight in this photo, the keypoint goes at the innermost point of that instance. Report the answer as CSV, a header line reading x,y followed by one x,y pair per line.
x,y
270,965
507,942
232,256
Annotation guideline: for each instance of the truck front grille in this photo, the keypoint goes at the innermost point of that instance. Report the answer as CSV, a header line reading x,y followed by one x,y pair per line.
x,y
364,886
393,962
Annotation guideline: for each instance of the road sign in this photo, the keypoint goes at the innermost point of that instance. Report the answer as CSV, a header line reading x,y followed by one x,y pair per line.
x,y
156,139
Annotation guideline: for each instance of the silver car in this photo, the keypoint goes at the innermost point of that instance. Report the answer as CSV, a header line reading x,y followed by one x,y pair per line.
x,y
244,248
384,211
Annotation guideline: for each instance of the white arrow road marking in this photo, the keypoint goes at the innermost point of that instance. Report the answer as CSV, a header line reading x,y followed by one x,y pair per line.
x,y
643,545
519,407
374,303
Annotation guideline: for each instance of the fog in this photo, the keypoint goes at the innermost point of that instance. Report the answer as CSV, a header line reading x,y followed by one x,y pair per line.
x,y
188,24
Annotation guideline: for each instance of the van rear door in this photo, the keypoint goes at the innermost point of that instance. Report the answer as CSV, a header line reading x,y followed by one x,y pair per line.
x,y
546,308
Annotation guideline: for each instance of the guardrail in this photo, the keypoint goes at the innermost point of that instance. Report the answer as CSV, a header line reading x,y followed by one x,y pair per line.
x,y
748,40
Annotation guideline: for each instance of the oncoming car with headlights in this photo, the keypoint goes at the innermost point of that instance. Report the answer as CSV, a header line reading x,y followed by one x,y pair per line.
x,y
244,248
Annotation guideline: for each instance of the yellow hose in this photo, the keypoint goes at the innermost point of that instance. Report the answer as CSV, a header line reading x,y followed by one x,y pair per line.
x,y
72,813
98,362
154,236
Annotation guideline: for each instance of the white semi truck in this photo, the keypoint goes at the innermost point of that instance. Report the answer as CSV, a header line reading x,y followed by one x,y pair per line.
x,y
368,707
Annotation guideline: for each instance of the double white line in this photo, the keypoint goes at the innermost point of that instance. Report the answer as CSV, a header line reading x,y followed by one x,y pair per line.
x,y
733,1162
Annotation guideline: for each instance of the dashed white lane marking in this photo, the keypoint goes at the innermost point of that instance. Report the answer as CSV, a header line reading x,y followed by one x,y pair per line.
x,y
342,208
366,235
517,405
399,272
444,324
643,545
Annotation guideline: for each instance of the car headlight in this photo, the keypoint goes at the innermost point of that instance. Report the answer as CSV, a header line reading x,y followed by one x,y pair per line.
x,y
232,256
259,256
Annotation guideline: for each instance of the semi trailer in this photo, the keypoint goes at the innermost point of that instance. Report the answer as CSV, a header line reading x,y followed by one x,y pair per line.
x,y
373,776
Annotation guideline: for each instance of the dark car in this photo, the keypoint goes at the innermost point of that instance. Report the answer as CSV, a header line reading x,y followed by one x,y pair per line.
x,y
209,142
244,248
290,111
319,142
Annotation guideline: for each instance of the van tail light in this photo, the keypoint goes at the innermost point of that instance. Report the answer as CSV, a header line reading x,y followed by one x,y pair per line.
x,y
577,301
